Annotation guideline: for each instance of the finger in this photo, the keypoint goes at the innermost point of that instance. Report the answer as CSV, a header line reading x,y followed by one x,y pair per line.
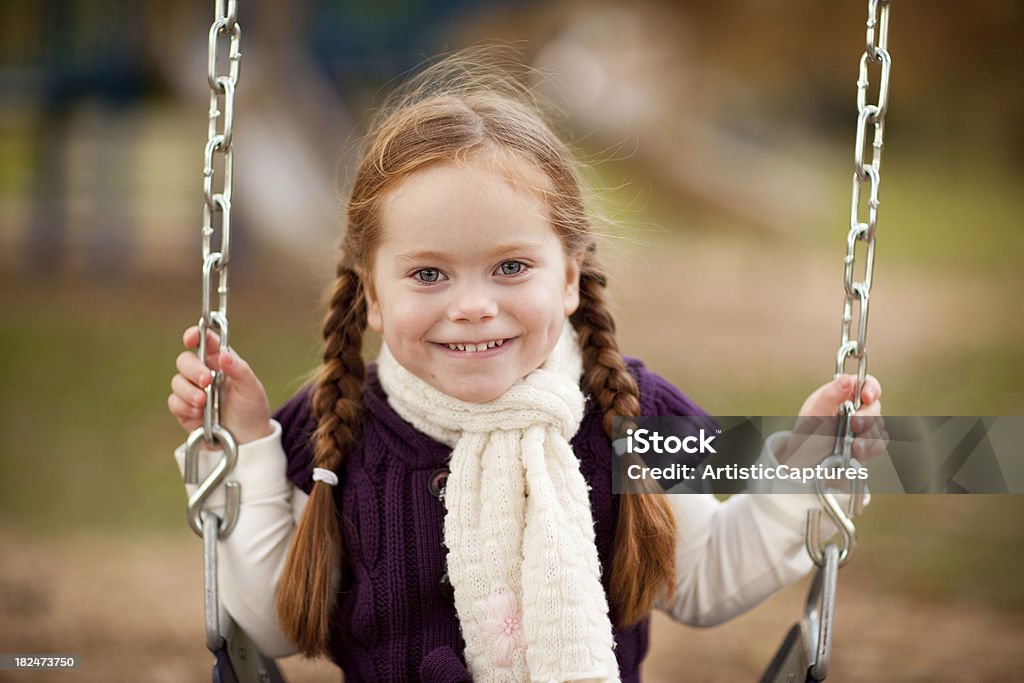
x,y
191,340
841,388
871,391
191,337
188,416
866,415
188,392
830,394
872,430
189,365
865,449
874,444
867,425
236,369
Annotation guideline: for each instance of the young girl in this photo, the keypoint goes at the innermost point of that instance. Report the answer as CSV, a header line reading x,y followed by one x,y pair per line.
x,y
445,514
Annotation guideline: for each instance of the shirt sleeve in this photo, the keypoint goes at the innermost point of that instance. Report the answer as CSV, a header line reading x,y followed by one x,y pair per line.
x,y
250,560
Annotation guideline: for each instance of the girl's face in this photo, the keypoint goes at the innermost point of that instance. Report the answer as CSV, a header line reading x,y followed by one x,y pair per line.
x,y
470,284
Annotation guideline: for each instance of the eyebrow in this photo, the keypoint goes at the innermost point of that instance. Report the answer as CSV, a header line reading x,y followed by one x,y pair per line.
x,y
420,256
440,256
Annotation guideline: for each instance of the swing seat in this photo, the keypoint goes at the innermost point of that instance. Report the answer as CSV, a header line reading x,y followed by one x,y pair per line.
x,y
238,661
223,672
806,651
790,665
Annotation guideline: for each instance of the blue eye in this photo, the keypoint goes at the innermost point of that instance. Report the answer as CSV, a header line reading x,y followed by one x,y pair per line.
x,y
428,275
511,268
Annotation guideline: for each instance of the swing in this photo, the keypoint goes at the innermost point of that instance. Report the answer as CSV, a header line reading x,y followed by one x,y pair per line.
x,y
236,658
806,651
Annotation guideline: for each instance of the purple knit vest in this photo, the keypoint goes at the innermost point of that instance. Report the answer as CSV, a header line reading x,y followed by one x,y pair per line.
x,y
395,619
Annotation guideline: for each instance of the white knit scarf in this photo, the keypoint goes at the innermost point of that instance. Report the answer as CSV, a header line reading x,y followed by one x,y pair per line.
x,y
518,527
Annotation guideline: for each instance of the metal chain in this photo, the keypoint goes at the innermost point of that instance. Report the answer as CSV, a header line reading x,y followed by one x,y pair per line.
x,y
854,338
862,230
216,254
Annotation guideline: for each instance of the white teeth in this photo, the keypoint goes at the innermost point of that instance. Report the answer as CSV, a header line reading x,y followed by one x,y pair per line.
x,y
473,348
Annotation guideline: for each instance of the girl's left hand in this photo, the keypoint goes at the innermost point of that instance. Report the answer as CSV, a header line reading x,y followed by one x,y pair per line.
x,y
871,438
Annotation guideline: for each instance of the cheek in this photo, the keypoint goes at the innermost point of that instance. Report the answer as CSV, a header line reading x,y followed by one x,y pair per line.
x,y
542,310
412,316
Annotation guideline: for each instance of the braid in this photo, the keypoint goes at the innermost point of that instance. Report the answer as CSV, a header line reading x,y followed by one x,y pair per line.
x,y
643,563
305,596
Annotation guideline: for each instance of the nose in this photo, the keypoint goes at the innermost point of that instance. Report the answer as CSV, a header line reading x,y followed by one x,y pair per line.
x,y
472,302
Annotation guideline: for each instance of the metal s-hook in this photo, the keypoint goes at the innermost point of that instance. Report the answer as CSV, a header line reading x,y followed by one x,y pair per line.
x,y
204,490
209,526
830,505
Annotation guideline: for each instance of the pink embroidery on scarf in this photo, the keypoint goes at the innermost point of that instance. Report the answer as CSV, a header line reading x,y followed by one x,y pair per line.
x,y
502,632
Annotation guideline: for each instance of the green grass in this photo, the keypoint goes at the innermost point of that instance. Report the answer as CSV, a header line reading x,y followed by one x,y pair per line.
x,y
962,215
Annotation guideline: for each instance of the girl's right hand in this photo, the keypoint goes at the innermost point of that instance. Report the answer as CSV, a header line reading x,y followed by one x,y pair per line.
x,y
244,410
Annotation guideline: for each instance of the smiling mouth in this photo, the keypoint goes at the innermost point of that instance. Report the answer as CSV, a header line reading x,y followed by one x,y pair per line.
x,y
477,347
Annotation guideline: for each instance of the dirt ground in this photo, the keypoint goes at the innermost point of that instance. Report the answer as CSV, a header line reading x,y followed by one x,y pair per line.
x,y
130,609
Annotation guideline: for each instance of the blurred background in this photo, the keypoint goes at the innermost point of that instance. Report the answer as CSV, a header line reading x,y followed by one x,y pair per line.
x,y
718,138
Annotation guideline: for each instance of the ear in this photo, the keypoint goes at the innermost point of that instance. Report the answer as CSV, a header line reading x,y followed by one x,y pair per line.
x,y
374,319
574,265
